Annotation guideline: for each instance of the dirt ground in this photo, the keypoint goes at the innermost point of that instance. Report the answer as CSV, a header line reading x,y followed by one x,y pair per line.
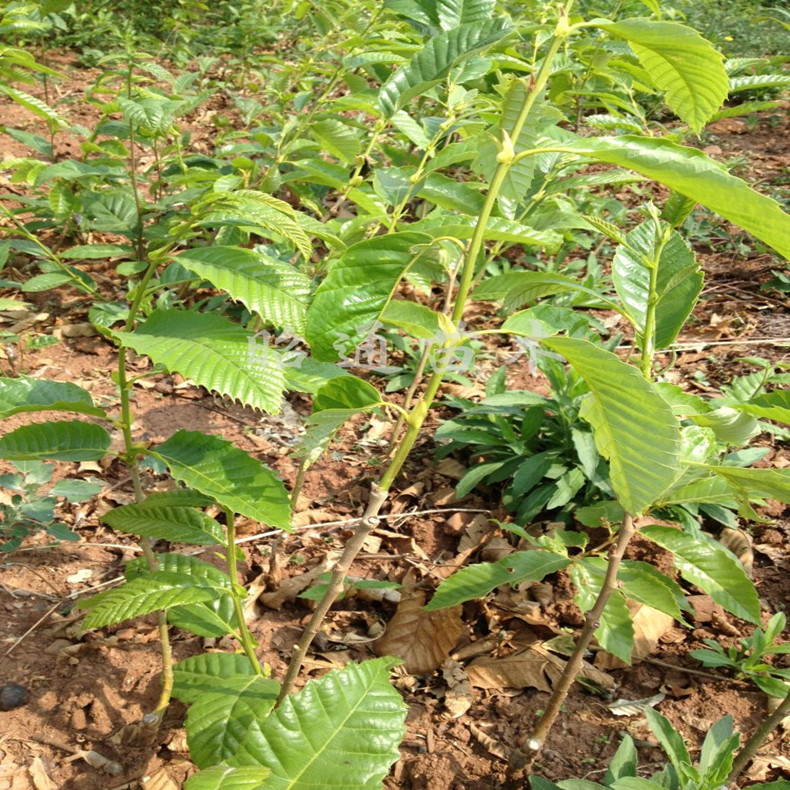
x,y
89,691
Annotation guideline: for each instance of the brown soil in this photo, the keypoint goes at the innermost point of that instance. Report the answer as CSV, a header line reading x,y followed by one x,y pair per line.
x,y
90,691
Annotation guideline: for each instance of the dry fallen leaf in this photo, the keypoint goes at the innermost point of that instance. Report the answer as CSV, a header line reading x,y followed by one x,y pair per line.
x,y
533,667
451,468
161,780
291,587
740,544
634,707
649,626
422,639
38,774
459,695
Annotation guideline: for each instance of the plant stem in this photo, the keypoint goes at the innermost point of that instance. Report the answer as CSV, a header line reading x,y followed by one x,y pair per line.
x,y
417,415
536,741
476,243
761,733
145,543
244,635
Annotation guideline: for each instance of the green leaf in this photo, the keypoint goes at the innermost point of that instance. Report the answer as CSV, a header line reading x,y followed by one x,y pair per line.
x,y
771,406
645,584
56,441
670,739
213,618
633,425
623,763
36,106
274,290
453,13
695,175
224,723
680,63
214,353
718,750
357,288
706,563
435,59
313,739
476,581
772,483
25,394
176,524
415,319
334,403
678,282
197,675
141,596
497,229
259,211
112,212
217,469
729,424
337,138
615,632
223,777
515,289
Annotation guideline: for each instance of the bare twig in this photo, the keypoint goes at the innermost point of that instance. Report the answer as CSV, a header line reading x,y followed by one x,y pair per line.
x,y
761,733
529,751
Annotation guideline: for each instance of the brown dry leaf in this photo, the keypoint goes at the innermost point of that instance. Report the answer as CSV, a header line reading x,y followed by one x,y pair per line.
x,y
451,468
490,744
459,695
161,780
764,765
12,777
39,775
477,529
649,626
533,667
422,639
291,587
740,544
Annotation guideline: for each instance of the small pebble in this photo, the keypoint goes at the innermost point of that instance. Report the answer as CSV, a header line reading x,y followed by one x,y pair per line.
x,y
12,695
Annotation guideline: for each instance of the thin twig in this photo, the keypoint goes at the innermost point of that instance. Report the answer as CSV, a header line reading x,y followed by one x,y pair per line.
x,y
32,628
761,733
699,672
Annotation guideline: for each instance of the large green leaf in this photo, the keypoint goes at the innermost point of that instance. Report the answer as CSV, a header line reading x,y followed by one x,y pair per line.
x,y
273,289
453,13
515,289
680,63
476,581
678,282
197,675
218,469
213,618
25,394
434,60
771,483
213,352
497,229
771,406
334,403
357,288
224,723
615,631
337,138
56,441
176,524
695,175
256,211
223,777
706,563
633,425
141,596
341,731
